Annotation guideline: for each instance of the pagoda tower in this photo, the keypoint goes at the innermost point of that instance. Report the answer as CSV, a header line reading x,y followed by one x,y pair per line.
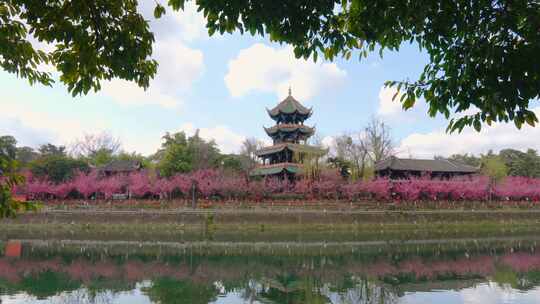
x,y
284,158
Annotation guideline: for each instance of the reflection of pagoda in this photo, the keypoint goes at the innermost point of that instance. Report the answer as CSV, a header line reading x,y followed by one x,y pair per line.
x,y
290,137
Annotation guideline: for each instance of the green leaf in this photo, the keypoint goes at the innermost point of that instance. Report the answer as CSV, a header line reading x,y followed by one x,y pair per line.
x,y
477,125
408,103
159,11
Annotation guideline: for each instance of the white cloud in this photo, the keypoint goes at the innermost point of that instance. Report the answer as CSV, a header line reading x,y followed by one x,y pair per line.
x,y
328,141
179,64
20,121
494,293
496,137
129,93
267,69
32,128
387,106
25,135
179,67
191,24
186,25
145,144
227,140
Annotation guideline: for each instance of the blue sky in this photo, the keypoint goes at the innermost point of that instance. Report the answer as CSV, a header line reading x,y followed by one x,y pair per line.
x,y
221,85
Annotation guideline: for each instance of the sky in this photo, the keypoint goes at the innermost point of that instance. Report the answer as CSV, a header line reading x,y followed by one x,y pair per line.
x,y
221,85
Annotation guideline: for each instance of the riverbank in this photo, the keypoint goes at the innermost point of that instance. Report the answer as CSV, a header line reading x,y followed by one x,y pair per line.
x,y
272,225
288,204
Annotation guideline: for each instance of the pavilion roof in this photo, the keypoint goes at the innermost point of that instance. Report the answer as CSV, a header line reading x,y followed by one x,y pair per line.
x,y
424,165
289,106
121,166
276,169
289,128
293,147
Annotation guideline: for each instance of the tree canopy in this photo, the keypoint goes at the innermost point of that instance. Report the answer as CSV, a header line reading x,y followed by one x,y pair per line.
x,y
180,153
479,51
93,41
9,178
516,163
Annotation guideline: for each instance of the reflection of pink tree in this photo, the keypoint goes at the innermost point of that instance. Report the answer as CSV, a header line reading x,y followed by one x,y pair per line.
x,y
522,262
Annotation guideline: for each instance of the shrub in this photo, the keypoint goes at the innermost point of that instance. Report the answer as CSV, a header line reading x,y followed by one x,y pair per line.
x,y
216,185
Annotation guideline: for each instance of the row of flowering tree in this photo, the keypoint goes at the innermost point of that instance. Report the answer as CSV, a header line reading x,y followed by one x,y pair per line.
x,y
213,184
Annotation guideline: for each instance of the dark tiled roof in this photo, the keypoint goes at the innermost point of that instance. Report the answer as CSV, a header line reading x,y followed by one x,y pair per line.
x,y
276,168
293,147
288,106
424,165
289,128
121,166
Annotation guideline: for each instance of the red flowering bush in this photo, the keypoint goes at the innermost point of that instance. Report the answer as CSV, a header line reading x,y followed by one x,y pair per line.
x,y
140,184
214,184
85,184
518,188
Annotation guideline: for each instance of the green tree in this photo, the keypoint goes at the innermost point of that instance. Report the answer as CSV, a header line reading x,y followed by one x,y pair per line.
x,y
494,167
205,153
343,166
169,291
351,155
233,163
52,150
101,157
179,154
521,163
25,155
9,178
54,164
248,151
478,51
47,284
174,156
134,156
467,159
93,41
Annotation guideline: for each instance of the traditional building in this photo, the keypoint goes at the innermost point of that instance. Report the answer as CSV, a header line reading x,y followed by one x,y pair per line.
x,y
284,158
120,167
397,168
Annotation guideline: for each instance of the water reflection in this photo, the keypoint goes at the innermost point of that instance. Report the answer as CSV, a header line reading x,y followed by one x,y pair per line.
x,y
476,272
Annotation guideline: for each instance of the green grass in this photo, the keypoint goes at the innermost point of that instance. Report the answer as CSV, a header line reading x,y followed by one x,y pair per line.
x,y
239,231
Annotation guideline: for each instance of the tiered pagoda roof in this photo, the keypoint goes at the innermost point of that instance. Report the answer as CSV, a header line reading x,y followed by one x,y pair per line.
x,y
287,128
273,169
284,157
291,146
289,106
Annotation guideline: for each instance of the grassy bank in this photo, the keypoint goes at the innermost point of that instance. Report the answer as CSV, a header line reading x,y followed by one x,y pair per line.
x,y
257,225
302,204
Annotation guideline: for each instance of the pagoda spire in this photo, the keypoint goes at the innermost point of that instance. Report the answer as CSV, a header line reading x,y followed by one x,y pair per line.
x,y
290,91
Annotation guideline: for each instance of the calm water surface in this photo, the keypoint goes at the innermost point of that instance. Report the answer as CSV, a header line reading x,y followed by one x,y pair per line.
x,y
471,271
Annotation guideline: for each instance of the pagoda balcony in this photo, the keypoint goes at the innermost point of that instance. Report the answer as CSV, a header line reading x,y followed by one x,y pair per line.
x,y
278,168
289,128
295,147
